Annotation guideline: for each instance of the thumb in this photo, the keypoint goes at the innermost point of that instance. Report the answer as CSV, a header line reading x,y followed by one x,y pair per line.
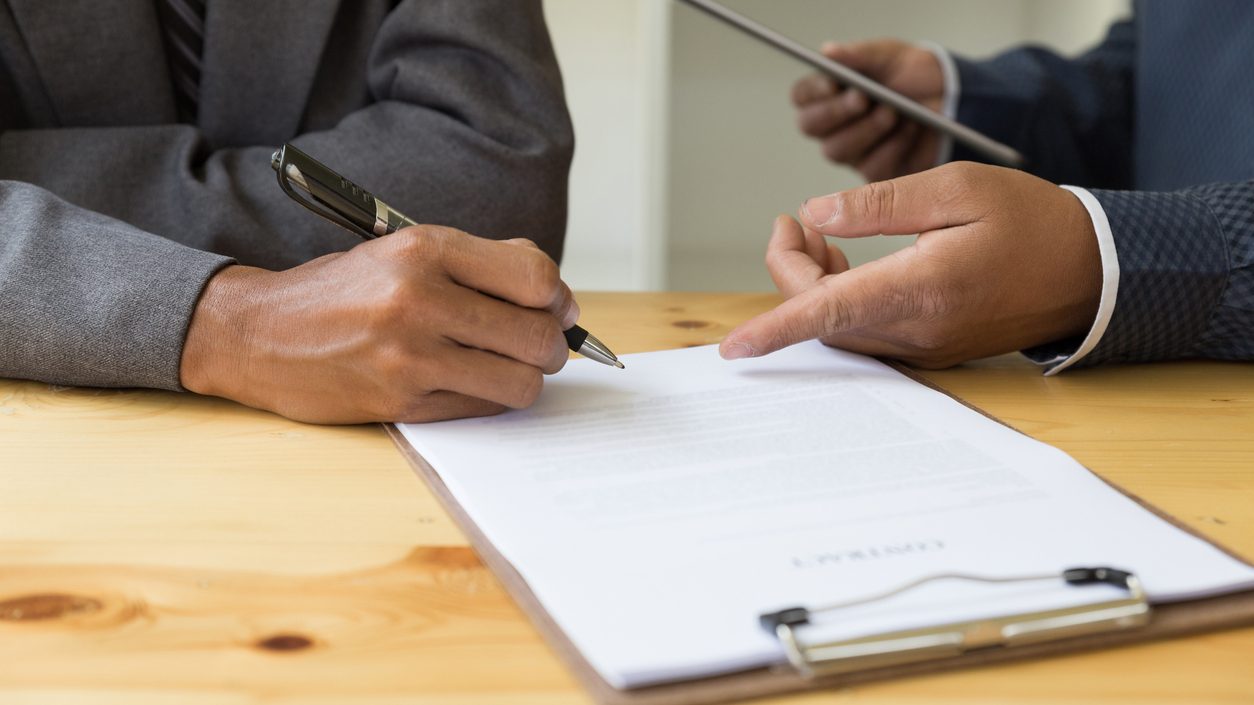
x,y
930,200
860,297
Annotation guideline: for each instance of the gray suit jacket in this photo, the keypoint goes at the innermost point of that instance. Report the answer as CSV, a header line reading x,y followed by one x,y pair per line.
x,y
113,217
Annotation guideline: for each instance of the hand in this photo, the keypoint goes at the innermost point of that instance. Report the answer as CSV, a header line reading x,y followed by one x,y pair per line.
x,y
1004,261
873,138
425,324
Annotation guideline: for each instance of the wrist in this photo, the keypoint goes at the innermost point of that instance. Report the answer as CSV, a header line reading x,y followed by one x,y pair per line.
x,y
215,349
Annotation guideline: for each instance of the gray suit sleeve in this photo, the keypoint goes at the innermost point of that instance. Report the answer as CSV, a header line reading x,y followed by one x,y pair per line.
x,y
467,127
90,300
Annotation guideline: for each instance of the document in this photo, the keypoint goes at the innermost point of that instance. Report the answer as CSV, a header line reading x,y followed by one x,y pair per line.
x,y
655,512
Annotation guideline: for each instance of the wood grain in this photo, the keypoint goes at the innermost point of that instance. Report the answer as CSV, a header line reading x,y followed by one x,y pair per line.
x,y
159,548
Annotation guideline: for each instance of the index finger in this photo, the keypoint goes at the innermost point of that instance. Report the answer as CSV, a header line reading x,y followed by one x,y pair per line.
x,y
861,297
521,275
565,307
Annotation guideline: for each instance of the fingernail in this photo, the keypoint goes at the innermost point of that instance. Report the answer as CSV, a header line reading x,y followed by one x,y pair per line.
x,y
819,211
852,99
737,351
571,317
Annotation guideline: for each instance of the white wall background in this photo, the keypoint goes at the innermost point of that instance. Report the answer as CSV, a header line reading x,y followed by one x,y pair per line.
x,y
686,140
615,61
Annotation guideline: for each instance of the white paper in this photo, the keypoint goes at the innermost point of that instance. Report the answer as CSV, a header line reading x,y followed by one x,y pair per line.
x,y
657,510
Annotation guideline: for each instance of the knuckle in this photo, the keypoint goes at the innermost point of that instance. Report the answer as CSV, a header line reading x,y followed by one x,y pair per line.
x,y
807,89
559,361
836,314
393,298
928,313
847,202
961,177
836,149
805,124
543,280
408,408
392,364
530,384
935,303
541,340
423,242
885,117
524,242
878,200
797,94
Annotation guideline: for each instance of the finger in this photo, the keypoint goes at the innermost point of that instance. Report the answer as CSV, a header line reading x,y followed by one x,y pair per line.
x,y
566,309
894,340
527,335
872,58
838,303
792,267
516,273
811,89
885,160
939,198
442,405
820,118
797,259
851,143
828,255
836,260
486,375
816,247
875,340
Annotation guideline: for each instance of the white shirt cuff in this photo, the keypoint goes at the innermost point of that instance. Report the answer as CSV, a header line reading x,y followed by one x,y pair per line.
x,y
949,97
1110,284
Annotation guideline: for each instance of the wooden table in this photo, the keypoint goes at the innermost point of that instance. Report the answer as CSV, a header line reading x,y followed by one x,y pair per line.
x,y
166,548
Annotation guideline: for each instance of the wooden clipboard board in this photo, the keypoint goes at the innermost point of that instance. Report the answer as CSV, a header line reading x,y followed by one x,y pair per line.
x,y
1170,620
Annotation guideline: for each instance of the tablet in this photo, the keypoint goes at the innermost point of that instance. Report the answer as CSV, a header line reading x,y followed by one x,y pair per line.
x,y
845,76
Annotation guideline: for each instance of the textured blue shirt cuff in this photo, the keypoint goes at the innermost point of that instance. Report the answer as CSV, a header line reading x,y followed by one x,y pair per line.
x,y
1173,269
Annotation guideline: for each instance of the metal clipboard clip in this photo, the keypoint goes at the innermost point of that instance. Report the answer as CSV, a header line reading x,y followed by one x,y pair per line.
x,y
956,638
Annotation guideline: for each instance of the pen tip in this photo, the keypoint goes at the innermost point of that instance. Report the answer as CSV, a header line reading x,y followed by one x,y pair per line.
x,y
619,365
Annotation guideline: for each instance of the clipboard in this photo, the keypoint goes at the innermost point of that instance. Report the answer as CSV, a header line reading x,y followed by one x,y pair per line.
x,y
1165,621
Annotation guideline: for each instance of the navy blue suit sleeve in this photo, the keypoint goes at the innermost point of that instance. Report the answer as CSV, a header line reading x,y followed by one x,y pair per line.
x,y
1071,118
1186,274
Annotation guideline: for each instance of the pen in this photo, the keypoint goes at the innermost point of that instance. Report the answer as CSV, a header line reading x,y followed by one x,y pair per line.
x,y
359,211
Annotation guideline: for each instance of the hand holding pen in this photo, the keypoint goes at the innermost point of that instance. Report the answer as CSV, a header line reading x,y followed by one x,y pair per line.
x,y
346,204
428,323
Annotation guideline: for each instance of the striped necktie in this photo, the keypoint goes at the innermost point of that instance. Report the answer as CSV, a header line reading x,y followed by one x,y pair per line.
x,y
183,24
